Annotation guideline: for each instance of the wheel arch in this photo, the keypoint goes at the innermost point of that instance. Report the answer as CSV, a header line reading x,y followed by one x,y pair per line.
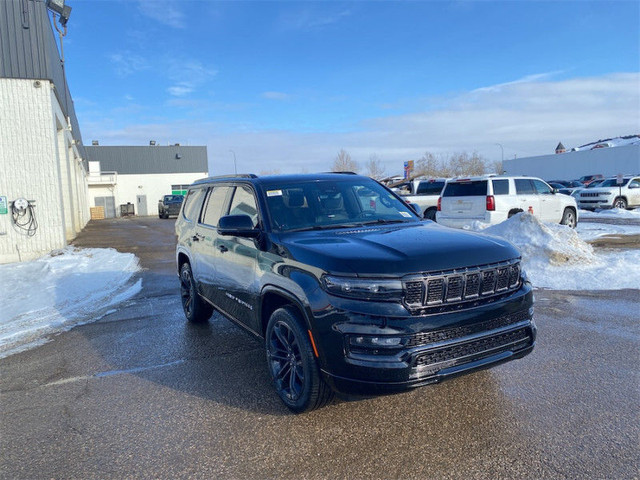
x,y
274,298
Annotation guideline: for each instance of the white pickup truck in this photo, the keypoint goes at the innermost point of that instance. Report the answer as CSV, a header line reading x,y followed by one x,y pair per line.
x,y
424,192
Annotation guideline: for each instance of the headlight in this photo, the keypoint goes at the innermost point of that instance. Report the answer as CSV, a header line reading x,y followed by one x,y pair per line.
x,y
364,288
606,194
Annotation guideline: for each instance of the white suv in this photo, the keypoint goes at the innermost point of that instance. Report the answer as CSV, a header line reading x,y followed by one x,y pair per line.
x,y
493,199
611,195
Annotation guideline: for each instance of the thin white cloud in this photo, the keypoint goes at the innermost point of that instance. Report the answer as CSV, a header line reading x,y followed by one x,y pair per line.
x,y
179,90
188,76
527,118
276,96
310,19
166,12
127,63
526,79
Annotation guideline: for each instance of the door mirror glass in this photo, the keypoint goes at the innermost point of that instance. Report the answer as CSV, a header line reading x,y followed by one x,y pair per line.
x,y
238,226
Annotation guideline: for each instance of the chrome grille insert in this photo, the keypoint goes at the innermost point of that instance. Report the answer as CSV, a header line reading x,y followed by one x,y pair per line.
x,y
434,289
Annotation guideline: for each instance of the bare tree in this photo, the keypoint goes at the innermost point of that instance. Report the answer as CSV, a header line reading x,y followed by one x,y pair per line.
x,y
496,166
374,167
428,166
344,163
464,164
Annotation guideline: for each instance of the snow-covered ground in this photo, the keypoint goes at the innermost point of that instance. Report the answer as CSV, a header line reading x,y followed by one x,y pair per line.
x,y
60,290
610,213
556,257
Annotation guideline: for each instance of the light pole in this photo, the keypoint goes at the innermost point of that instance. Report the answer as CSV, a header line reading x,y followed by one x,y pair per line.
x,y
235,169
502,150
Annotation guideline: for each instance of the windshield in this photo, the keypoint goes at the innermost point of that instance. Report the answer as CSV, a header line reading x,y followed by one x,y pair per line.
x,y
326,204
612,182
173,198
465,189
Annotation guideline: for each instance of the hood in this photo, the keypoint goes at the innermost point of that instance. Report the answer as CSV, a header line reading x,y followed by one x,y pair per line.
x,y
395,251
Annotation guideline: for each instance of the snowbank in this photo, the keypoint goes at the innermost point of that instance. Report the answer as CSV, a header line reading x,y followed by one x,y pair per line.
x,y
555,257
60,290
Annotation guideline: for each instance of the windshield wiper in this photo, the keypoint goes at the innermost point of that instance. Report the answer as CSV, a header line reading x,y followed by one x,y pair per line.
x,y
327,227
381,221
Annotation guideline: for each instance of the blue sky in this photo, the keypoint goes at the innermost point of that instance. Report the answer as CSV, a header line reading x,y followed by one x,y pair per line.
x,y
286,85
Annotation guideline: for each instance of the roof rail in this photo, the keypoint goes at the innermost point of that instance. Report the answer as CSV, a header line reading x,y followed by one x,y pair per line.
x,y
231,176
344,173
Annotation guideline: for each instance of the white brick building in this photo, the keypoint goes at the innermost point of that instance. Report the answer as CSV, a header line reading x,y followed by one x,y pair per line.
x,y
141,175
41,152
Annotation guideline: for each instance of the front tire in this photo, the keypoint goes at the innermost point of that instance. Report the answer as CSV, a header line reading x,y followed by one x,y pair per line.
x,y
430,214
569,218
195,309
620,203
292,365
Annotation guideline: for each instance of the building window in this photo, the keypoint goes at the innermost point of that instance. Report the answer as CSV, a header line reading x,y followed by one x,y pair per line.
x,y
179,189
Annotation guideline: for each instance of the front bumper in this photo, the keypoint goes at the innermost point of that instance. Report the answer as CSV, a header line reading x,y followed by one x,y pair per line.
x,y
417,350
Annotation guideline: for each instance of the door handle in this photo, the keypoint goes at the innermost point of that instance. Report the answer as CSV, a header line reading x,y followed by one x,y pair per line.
x,y
197,237
222,248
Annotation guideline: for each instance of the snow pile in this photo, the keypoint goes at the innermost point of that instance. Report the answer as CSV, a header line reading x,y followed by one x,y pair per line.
x,y
555,257
611,213
60,290
550,243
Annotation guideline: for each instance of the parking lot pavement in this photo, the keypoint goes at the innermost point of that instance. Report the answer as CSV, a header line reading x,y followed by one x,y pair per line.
x,y
141,394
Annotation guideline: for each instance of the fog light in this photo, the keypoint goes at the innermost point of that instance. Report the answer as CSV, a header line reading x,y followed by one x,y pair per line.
x,y
531,311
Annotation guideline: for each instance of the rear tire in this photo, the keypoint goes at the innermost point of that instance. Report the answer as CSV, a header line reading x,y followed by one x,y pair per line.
x,y
620,203
195,308
569,218
513,212
292,364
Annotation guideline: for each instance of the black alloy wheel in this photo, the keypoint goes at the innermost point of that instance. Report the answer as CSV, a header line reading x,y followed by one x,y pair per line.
x,y
292,364
195,309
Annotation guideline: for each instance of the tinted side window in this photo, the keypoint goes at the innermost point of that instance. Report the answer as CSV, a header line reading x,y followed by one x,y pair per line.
x,y
215,203
541,187
429,188
466,189
524,186
193,203
244,203
500,187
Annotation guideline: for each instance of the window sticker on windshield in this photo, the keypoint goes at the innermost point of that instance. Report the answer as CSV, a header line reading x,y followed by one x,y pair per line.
x,y
274,193
405,214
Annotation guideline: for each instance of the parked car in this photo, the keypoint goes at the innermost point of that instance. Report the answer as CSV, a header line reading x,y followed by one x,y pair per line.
x,y
576,191
348,288
424,193
169,205
567,183
493,199
610,194
587,179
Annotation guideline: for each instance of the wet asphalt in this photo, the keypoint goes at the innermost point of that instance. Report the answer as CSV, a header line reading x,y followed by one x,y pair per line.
x,y
139,393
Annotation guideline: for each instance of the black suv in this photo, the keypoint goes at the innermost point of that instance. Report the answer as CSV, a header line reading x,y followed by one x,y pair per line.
x,y
349,288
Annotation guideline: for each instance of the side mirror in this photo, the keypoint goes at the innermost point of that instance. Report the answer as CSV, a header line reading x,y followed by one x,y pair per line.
x,y
237,226
633,185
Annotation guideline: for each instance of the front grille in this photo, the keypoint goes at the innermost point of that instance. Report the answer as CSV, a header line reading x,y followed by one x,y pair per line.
x,y
459,286
588,194
459,353
426,338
